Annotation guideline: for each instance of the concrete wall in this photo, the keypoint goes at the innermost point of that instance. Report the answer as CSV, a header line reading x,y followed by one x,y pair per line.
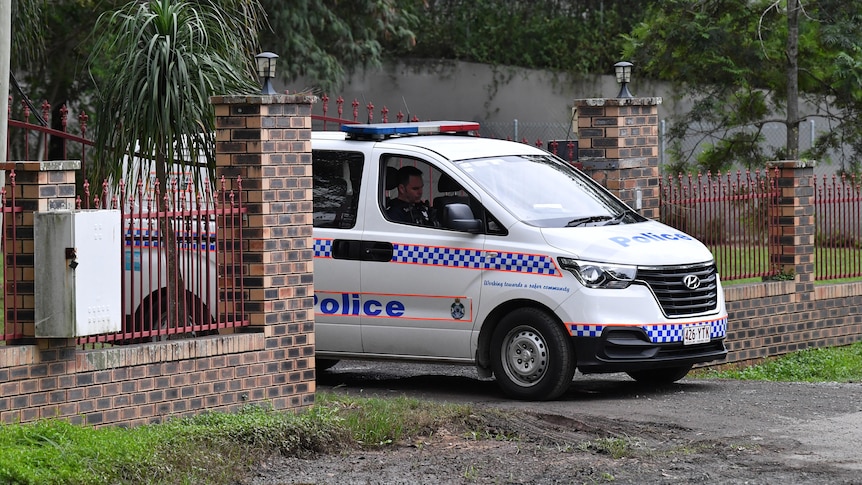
x,y
435,89
497,95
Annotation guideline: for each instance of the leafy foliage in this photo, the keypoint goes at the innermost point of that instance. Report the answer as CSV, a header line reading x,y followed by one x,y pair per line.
x,y
57,60
166,59
577,37
324,39
730,57
50,45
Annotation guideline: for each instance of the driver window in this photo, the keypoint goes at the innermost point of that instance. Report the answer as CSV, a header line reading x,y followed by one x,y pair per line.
x,y
416,192
407,190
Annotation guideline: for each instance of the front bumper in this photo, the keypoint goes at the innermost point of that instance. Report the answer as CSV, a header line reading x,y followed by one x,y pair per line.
x,y
623,349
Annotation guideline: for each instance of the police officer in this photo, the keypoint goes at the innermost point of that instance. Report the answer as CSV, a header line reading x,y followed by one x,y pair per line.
x,y
408,207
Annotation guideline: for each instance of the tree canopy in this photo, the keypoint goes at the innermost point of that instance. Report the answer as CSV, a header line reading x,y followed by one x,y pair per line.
x,y
55,60
324,39
162,61
734,59
577,37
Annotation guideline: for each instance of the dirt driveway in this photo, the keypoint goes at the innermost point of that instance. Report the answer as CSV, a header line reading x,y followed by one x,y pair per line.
x,y
606,429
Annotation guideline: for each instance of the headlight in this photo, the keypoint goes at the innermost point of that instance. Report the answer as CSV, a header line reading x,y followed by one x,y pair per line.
x,y
600,275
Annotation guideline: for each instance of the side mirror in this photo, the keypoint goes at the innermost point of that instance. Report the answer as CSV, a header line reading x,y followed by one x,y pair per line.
x,y
460,217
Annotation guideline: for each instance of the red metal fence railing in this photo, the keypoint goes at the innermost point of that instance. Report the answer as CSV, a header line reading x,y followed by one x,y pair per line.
x,y
729,213
211,301
206,237
27,139
838,230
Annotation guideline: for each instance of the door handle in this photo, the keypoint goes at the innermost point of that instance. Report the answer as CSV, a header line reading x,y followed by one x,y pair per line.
x,y
353,249
347,249
377,251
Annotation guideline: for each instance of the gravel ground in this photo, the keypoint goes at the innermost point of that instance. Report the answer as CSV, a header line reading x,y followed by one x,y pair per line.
x,y
606,429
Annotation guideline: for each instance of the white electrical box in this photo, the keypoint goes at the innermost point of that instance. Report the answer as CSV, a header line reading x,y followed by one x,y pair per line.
x,y
78,269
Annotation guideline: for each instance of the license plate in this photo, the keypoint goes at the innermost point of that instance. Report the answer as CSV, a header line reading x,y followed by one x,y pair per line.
x,y
695,334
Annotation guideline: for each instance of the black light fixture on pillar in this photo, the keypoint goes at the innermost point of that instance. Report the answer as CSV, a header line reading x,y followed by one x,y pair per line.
x,y
623,70
266,70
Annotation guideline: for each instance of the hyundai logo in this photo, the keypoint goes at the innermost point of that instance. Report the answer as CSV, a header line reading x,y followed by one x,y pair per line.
x,y
692,282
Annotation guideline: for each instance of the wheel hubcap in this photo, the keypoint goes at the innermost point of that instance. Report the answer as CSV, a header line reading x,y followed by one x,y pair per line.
x,y
525,355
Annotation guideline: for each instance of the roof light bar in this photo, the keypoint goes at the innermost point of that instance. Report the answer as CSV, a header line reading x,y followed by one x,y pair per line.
x,y
383,130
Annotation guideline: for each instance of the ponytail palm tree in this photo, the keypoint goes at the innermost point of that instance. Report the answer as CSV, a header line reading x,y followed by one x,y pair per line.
x,y
159,63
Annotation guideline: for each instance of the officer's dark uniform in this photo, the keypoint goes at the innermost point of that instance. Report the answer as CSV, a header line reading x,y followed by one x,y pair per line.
x,y
419,213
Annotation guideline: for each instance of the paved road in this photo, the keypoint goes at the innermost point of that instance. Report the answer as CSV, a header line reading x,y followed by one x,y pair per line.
x,y
819,423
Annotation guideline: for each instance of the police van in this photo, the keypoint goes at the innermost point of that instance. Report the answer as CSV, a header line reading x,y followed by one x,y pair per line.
x,y
523,266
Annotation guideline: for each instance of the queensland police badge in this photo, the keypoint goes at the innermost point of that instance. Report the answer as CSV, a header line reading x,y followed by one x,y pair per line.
x,y
457,309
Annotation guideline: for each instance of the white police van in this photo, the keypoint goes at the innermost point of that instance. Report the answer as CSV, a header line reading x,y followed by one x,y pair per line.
x,y
531,271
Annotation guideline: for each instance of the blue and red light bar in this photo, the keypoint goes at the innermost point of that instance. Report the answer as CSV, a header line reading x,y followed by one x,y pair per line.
x,y
383,130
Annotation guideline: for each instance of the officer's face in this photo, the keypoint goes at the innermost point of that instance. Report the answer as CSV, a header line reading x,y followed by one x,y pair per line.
x,y
412,192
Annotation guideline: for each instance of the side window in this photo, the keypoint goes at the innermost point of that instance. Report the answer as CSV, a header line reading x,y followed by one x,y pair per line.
x,y
336,175
416,192
405,190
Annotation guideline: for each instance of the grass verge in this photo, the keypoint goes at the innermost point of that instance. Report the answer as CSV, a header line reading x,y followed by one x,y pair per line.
x,y
213,448
219,448
832,364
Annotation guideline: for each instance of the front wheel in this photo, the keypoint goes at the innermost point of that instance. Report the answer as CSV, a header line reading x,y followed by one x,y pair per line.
x,y
532,356
658,377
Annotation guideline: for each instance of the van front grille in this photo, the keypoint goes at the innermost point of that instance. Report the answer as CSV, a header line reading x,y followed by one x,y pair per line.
x,y
668,283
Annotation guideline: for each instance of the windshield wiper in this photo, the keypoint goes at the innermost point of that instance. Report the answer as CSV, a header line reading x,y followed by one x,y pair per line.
x,y
618,219
580,221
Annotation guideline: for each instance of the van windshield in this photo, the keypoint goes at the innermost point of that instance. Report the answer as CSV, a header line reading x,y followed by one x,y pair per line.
x,y
544,191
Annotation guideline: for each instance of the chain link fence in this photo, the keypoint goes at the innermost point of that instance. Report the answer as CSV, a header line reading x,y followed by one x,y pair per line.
x,y
774,137
535,133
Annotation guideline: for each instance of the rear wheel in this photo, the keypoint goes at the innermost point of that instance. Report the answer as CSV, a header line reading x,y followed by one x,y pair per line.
x,y
667,375
160,320
532,356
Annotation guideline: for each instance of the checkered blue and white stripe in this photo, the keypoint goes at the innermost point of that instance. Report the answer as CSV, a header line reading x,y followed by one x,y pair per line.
x,y
322,248
454,257
587,330
658,334
474,259
458,258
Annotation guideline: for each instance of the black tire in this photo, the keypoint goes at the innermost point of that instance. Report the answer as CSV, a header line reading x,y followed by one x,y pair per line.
x,y
658,377
532,355
323,364
160,320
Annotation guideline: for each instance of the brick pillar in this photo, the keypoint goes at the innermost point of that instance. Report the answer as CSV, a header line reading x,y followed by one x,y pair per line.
x,y
266,140
791,228
618,147
36,187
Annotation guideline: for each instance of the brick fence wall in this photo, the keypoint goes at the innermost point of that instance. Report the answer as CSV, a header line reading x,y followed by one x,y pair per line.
x,y
772,318
267,141
777,317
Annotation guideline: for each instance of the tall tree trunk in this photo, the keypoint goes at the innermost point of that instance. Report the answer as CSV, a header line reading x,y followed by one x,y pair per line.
x,y
792,79
175,303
